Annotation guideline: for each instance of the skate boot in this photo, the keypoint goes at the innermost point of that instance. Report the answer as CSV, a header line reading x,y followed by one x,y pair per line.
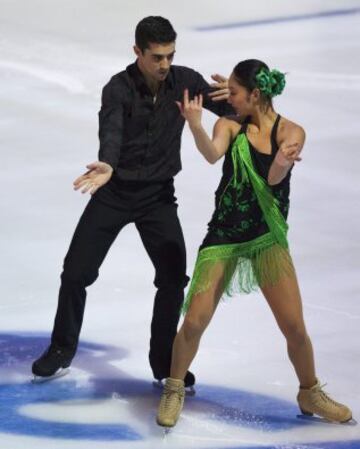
x,y
189,382
315,401
171,403
51,361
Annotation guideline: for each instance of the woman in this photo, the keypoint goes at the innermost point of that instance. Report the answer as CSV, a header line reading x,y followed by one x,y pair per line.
x,y
246,244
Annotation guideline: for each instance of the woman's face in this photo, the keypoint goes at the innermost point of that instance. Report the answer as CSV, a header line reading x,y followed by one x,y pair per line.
x,y
240,98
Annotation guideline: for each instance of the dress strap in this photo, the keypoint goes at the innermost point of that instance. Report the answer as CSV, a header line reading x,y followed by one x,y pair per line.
x,y
244,126
274,144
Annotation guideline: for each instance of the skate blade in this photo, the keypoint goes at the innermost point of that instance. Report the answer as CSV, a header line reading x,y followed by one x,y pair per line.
x,y
165,431
41,380
318,419
189,391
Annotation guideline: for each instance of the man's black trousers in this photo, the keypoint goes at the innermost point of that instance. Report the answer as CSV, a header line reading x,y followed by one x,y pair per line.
x,y
153,209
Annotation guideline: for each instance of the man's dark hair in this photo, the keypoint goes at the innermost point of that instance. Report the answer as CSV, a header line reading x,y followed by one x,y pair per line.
x,y
154,29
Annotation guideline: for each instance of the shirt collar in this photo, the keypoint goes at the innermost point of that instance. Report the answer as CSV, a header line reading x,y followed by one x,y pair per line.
x,y
139,80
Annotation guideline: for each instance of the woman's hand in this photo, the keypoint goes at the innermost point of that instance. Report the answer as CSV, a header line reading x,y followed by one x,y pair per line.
x,y
98,175
288,154
191,110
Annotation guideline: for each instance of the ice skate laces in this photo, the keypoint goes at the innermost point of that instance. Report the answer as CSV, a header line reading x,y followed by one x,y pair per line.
x,y
324,396
172,396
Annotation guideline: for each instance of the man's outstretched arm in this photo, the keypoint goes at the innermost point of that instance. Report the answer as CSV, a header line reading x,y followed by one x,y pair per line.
x,y
110,136
111,122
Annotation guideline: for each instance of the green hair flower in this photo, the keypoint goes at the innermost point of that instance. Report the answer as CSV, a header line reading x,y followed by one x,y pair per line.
x,y
270,83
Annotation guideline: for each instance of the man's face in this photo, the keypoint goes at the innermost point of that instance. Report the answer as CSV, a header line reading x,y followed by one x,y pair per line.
x,y
156,60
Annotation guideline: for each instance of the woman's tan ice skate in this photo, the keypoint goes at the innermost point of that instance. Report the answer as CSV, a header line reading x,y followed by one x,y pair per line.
x,y
315,401
171,403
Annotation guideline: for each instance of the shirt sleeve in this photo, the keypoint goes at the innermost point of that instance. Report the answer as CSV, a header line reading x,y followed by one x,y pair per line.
x,y
219,108
111,122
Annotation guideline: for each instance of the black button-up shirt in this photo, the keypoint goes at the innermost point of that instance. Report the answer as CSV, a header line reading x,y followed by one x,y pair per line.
x,y
139,137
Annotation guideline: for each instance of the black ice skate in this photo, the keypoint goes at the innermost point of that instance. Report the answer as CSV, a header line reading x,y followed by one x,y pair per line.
x,y
53,363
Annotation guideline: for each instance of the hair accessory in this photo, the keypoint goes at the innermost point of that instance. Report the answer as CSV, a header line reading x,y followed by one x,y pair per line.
x,y
270,83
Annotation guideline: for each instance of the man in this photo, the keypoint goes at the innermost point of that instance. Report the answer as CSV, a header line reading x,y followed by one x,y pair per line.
x,y
140,129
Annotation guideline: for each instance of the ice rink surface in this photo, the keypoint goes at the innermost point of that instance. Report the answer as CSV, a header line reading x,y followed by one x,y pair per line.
x,y
55,57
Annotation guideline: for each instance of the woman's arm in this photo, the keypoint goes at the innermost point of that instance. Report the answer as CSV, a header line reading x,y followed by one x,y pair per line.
x,y
288,153
212,149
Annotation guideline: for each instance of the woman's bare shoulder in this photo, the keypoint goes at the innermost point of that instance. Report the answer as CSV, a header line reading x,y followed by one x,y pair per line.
x,y
229,123
288,127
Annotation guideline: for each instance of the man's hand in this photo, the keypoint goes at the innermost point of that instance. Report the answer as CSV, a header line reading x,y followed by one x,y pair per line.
x,y
98,175
222,89
191,110
288,154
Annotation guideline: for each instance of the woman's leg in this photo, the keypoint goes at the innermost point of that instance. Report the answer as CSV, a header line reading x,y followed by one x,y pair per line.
x,y
198,316
285,302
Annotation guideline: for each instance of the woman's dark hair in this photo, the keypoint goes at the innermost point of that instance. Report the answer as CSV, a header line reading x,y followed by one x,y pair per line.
x,y
154,29
253,74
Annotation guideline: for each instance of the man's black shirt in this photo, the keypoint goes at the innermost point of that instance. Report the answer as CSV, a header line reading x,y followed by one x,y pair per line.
x,y
140,137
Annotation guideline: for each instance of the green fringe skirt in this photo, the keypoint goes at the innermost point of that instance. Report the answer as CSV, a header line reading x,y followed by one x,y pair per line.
x,y
242,267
